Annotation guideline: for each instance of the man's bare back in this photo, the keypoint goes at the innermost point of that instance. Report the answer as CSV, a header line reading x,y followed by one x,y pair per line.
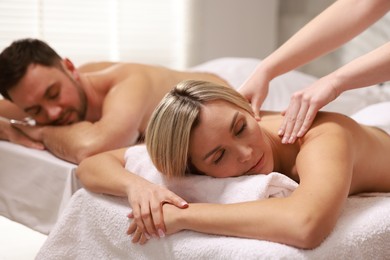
x,y
156,82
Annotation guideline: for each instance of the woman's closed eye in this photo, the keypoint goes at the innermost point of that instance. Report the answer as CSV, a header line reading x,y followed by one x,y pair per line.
x,y
218,156
241,126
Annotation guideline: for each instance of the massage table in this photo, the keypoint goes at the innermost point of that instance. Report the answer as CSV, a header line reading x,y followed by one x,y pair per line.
x,y
34,186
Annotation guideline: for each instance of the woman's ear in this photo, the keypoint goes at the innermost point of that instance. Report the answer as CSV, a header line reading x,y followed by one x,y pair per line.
x,y
71,68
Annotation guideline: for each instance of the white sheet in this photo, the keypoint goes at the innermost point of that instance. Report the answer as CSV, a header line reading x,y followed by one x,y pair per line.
x,y
93,226
34,186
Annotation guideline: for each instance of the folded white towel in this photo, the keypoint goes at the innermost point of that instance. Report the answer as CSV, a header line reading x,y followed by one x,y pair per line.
x,y
196,188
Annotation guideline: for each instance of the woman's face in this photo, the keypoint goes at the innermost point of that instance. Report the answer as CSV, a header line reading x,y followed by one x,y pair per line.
x,y
228,142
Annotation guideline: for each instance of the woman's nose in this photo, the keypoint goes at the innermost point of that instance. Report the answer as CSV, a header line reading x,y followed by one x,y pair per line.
x,y
244,153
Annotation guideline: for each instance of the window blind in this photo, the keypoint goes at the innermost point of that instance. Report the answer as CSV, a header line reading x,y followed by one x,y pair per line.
x,y
146,31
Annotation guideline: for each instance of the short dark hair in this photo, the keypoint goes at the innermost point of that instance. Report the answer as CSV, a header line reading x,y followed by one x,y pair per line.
x,y
15,59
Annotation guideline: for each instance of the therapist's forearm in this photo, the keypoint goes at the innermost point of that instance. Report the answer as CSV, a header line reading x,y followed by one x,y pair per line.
x,y
367,70
329,30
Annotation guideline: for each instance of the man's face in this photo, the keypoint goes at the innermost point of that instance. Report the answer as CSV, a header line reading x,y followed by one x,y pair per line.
x,y
50,95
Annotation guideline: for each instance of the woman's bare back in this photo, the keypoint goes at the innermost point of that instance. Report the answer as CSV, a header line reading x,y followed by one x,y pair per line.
x,y
370,147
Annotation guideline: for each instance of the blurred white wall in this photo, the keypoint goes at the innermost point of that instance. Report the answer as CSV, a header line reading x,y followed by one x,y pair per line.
x,y
220,28
174,33
294,14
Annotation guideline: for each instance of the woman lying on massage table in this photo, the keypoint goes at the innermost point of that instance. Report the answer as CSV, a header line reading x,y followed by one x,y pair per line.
x,y
203,128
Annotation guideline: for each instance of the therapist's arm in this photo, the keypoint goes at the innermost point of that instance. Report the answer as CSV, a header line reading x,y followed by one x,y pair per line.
x,y
333,27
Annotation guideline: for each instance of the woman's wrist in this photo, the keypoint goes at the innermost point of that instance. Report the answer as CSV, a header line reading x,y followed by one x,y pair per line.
x,y
335,81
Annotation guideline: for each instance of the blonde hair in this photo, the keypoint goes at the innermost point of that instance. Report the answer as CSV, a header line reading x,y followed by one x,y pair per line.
x,y
169,129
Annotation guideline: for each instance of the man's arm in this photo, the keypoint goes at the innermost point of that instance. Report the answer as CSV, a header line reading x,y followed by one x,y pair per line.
x,y
123,110
9,133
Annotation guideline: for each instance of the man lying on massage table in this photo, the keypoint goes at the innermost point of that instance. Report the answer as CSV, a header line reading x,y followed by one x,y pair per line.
x,y
79,112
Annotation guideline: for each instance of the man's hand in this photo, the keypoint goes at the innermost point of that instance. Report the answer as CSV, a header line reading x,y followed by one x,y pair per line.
x,y
34,133
18,136
147,200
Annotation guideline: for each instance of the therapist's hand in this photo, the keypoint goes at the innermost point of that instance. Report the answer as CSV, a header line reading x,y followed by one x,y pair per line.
x,y
255,90
303,108
146,200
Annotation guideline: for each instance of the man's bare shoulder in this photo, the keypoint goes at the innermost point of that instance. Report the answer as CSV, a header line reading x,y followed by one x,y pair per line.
x,y
95,66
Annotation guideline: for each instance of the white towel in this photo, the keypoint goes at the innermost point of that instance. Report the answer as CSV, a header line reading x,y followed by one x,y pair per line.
x,y
93,226
196,188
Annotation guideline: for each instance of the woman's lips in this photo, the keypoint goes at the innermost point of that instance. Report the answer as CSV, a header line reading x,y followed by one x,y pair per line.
x,y
256,168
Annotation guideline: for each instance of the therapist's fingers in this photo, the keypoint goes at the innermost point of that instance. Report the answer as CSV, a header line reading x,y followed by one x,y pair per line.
x,y
309,118
256,104
297,124
288,121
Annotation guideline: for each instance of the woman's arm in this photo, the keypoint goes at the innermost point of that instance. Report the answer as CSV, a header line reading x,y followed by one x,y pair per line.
x,y
338,24
302,220
369,69
105,173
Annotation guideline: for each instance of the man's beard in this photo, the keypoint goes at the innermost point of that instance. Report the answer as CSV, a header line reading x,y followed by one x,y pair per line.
x,y
80,112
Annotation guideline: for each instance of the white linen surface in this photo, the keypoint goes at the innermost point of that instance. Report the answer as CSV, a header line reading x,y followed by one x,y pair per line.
x,y
93,226
375,115
34,186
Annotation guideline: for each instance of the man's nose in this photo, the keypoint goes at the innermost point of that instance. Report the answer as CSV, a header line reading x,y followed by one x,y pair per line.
x,y
53,112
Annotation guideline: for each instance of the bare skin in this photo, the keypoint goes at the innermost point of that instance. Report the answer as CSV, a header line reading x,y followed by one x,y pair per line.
x,y
326,32
335,159
99,107
82,113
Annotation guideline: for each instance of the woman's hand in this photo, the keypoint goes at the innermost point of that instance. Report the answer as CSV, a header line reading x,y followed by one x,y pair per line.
x,y
136,232
171,213
146,200
303,107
